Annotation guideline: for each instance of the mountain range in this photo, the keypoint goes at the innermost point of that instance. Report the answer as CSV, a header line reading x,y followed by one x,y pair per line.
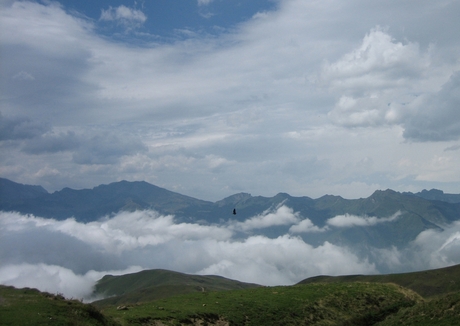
x,y
386,222
409,213
91,204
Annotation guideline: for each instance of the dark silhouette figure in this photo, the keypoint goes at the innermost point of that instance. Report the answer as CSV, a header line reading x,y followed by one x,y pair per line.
x,y
234,211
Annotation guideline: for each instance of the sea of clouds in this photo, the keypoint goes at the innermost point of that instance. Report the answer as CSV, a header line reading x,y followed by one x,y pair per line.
x,y
68,257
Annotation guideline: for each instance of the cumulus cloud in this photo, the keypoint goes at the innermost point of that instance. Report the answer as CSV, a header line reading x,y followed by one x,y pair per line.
x,y
376,80
349,220
385,82
380,61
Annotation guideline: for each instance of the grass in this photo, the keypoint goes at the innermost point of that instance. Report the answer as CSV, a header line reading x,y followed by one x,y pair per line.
x,y
32,307
428,284
343,301
351,304
156,284
443,310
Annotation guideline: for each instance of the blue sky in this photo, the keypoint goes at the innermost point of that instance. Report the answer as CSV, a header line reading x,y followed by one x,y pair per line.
x,y
165,18
212,98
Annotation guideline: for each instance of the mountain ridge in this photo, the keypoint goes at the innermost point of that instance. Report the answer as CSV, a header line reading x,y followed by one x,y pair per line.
x,y
154,284
410,214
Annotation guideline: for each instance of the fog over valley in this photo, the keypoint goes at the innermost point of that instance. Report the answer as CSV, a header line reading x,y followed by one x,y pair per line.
x,y
69,257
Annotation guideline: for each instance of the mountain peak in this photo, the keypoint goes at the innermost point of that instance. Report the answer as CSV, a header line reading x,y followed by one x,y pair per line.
x,y
10,190
436,194
233,199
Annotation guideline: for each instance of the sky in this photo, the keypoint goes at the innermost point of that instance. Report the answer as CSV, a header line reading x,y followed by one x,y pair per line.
x,y
69,257
213,97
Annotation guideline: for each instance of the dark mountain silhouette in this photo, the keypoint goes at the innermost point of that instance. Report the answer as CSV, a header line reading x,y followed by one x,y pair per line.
x,y
12,191
91,204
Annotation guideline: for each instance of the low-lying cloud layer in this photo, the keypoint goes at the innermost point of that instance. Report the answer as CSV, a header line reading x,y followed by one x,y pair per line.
x,y
69,257
349,220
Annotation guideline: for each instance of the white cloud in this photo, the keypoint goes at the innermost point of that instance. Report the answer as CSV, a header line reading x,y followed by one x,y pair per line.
x,y
306,226
124,15
68,257
349,220
282,215
433,248
380,61
376,80
146,240
123,232
439,248
281,261
55,279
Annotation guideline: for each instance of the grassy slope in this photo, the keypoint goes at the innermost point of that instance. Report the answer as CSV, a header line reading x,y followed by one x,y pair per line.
x,y
320,304
428,283
31,307
338,303
156,284
442,310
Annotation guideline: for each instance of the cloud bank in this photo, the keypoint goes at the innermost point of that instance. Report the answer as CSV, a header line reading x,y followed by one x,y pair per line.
x,y
69,257
349,220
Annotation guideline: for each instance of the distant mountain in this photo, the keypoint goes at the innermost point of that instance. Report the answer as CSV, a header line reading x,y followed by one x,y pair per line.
x,y
412,212
91,204
149,285
428,283
12,191
435,194
156,284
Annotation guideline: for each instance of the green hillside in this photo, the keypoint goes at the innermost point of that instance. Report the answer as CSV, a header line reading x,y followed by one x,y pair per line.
x,y
156,284
32,307
426,283
312,304
443,310
347,300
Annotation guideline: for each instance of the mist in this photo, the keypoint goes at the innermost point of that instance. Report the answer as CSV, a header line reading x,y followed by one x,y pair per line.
x,y
68,257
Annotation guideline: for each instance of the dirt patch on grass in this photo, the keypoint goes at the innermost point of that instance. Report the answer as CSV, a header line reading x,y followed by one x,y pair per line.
x,y
218,322
194,322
